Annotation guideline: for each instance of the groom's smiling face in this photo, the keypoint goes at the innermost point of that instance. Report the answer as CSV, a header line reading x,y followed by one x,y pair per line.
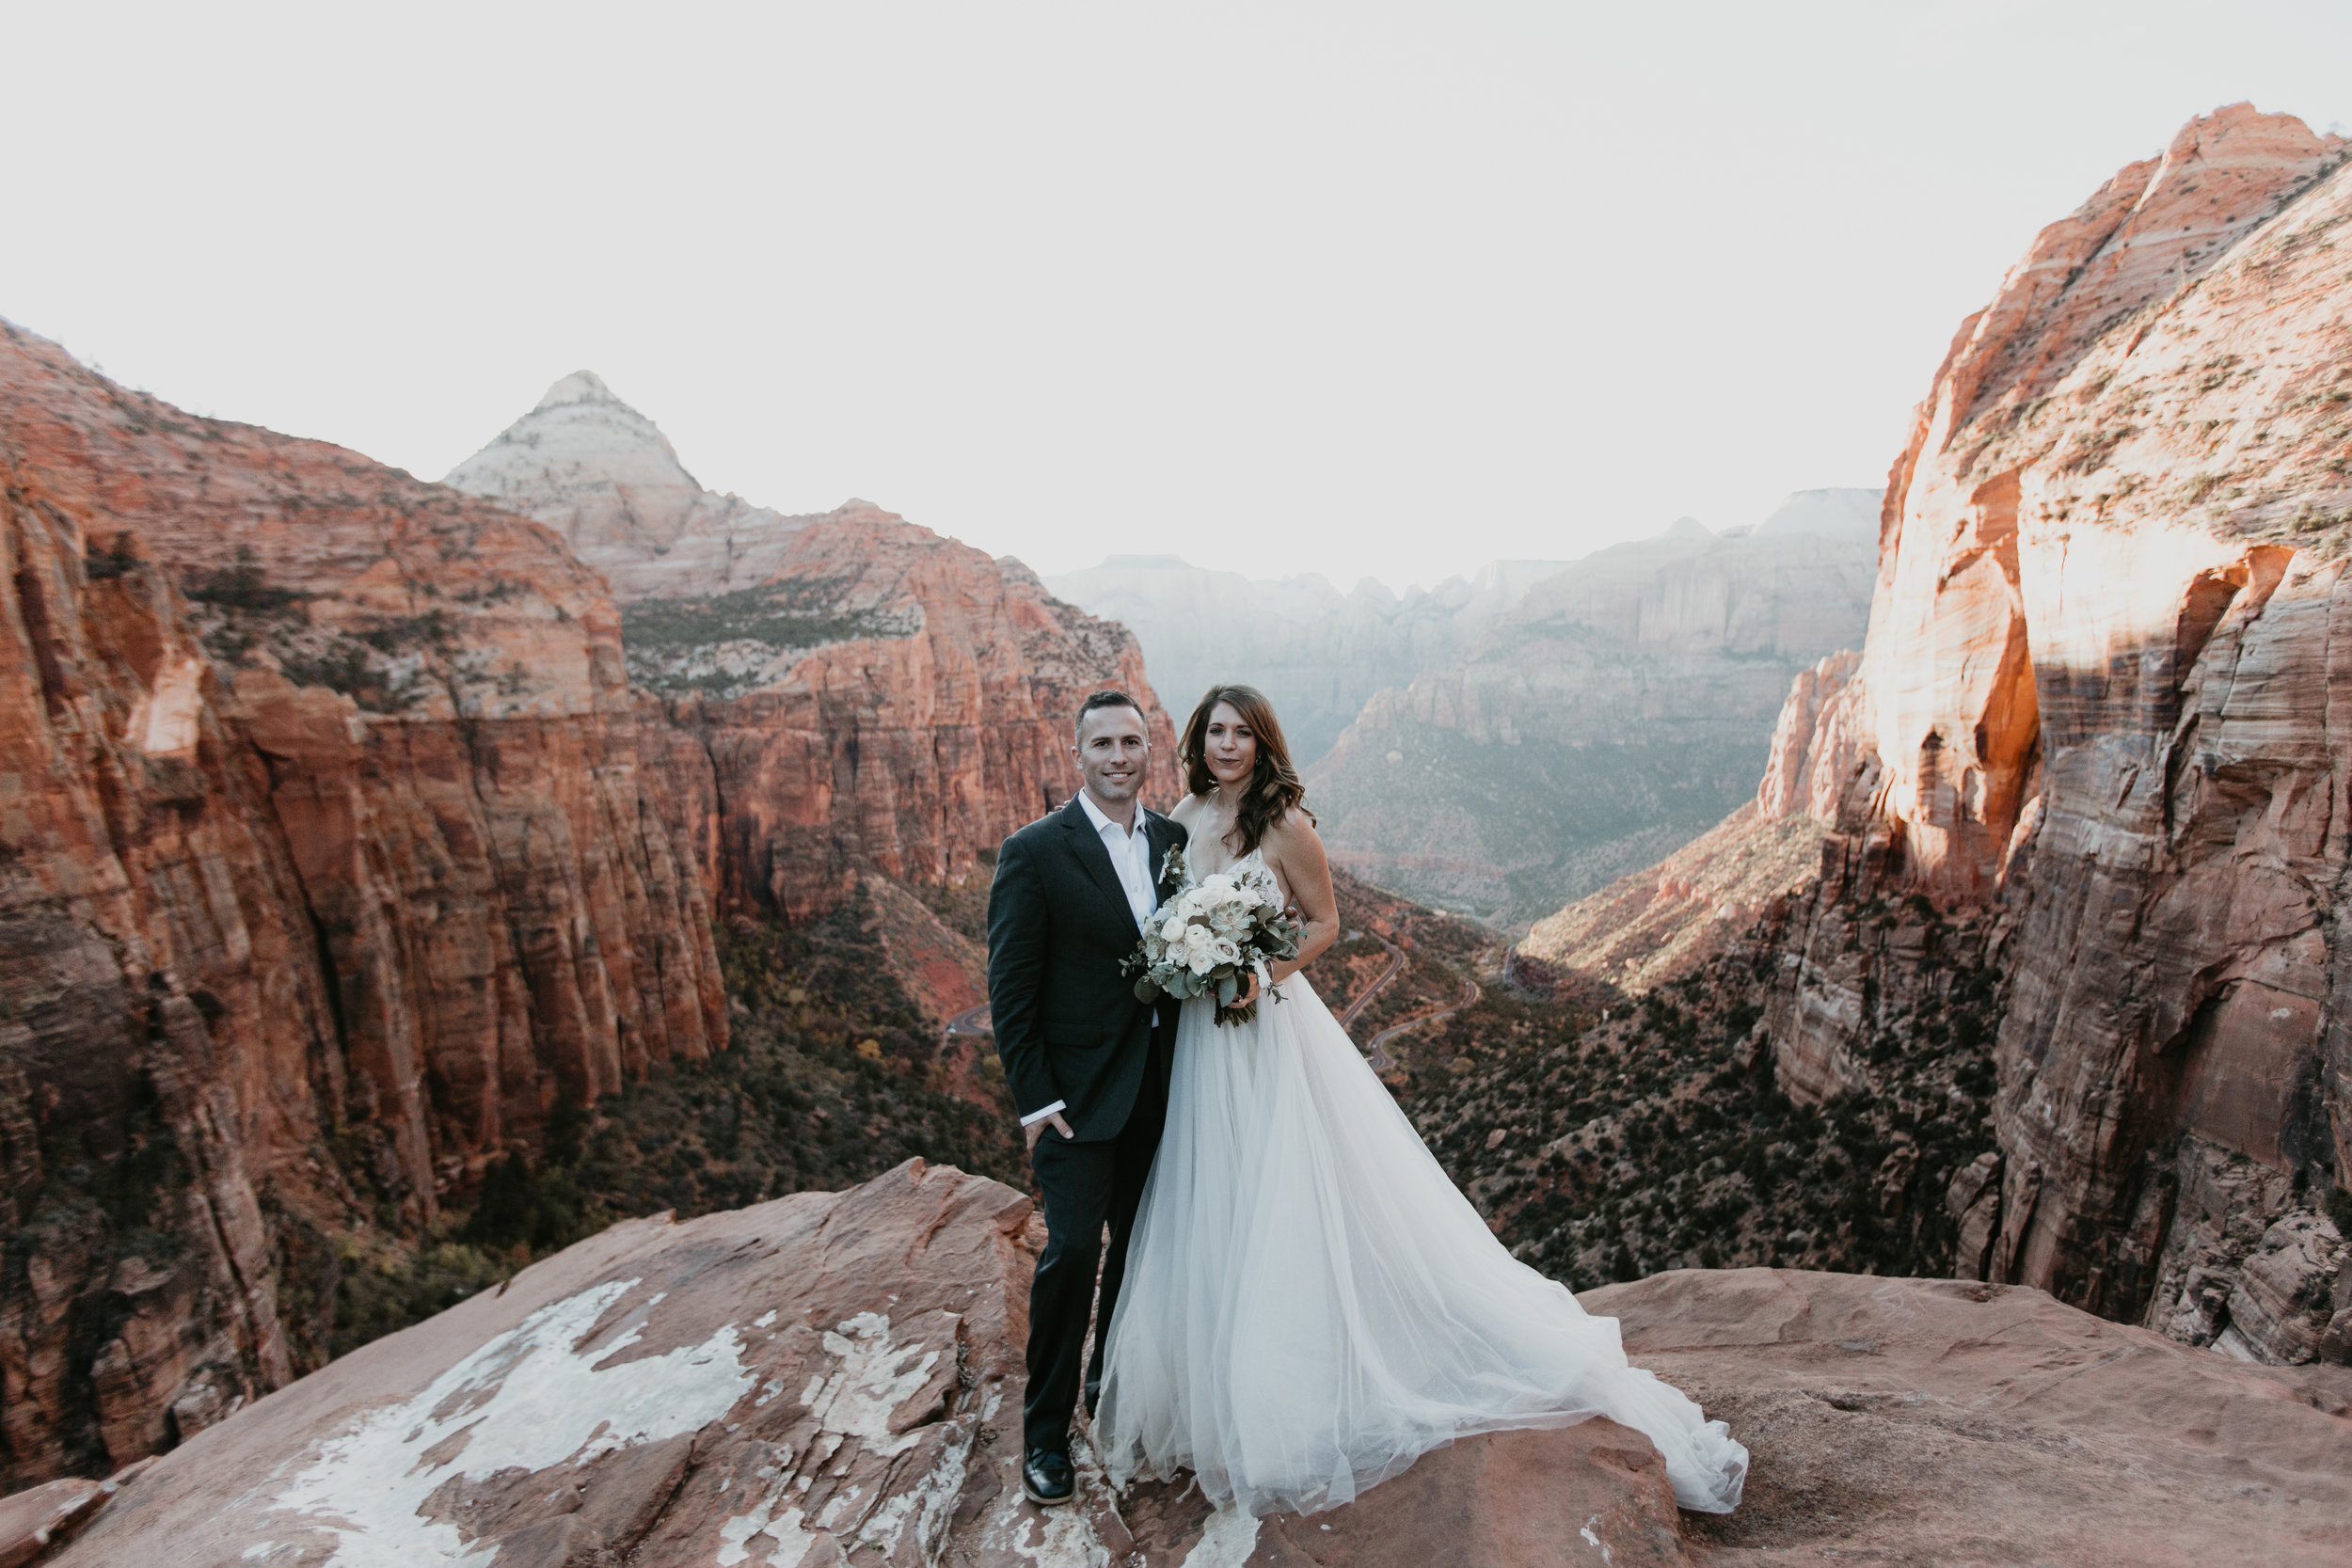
x,y
1113,751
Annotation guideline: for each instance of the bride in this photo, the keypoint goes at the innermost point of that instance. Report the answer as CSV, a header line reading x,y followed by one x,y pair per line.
x,y
1310,1304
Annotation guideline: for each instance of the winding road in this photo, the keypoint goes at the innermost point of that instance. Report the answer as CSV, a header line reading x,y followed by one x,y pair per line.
x,y
1376,1054
1396,965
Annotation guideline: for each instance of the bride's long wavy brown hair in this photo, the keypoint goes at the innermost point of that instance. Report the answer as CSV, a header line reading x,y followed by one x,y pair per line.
x,y
1274,787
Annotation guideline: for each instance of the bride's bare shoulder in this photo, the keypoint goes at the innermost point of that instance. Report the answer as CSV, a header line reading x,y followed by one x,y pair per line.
x,y
1296,826
1184,811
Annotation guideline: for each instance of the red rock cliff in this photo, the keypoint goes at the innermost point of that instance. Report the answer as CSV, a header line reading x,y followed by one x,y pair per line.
x,y
338,848
328,861
2105,689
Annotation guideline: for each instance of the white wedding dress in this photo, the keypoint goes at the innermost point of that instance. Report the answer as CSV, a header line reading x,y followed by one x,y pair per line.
x,y
1311,1305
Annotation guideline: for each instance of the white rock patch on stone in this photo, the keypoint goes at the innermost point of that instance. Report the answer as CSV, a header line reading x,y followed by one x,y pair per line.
x,y
527,1400
872,1382
1226,1540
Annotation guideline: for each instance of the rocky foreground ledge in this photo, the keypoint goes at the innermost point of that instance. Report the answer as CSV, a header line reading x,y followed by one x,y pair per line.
x,y
835,1379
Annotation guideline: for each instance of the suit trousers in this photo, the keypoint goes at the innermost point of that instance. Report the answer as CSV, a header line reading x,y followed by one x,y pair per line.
x,y
1090,1187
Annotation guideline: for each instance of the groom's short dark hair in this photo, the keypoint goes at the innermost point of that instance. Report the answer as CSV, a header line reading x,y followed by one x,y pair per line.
x,y
1108,697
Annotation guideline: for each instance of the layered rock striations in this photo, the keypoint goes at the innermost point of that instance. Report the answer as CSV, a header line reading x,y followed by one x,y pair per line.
x,y
332,864
1618,711
2101,696
870,697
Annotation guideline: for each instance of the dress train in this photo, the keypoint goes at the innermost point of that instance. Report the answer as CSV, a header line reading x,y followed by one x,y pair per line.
x,y
1311,1304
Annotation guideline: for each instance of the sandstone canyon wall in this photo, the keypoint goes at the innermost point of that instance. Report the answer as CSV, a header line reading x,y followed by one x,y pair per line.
x,y
2103,698
331,862
338,851
1619,710
872,698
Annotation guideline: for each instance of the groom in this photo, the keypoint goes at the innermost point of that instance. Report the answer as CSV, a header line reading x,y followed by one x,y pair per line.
x,y
1088,1064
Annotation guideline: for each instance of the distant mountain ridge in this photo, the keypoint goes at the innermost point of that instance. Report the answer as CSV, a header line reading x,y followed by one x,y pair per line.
x,y
1619,709
1322,654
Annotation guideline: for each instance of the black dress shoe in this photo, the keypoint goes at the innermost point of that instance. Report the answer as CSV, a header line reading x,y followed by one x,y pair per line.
x,y
1047,1477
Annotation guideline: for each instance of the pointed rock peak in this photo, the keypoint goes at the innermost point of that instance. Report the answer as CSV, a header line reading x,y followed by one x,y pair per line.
x,y
1686,528
580,386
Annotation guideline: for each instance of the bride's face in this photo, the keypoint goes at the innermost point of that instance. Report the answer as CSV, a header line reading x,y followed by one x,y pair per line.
x,y
1230,750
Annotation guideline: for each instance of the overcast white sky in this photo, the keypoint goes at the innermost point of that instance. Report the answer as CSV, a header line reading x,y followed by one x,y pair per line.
x,y
1352,287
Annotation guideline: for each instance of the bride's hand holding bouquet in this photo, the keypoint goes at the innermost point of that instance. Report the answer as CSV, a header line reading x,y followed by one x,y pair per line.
x,y
1216,936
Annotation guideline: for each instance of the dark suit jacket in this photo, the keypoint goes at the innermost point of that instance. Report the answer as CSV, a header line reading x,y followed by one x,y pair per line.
x,y
1068,1024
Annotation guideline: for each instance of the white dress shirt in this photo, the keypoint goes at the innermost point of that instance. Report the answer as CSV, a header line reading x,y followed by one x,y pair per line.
x,y
1131,856
1130,850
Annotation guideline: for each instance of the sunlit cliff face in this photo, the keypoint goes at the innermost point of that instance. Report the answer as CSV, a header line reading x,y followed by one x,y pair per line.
x,y
2121,454
2104,690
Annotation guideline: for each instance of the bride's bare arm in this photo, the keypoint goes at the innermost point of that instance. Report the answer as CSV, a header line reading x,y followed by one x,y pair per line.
x,y
1296,850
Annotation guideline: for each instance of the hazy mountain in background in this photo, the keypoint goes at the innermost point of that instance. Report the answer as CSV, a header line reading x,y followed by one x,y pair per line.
x,y
604,477
1320,654
1843,513
1619,709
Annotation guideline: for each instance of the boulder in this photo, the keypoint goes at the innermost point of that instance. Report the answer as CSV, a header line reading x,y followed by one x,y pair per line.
x,y
1529,1500
33,1521
826,1378
1954,1422
836,1379
825,1372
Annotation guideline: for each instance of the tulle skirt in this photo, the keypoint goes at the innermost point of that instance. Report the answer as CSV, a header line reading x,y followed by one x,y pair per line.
x,y
1311,1305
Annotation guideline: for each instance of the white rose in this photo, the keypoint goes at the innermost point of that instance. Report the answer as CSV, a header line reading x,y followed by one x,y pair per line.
x,y
1200,957
1227,950
1173,928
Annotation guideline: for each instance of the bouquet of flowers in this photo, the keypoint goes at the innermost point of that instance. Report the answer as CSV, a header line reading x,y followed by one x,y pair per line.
x,y
1210,934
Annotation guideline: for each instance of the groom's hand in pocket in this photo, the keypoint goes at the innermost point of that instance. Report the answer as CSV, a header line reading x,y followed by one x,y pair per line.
x,y
1036,1130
